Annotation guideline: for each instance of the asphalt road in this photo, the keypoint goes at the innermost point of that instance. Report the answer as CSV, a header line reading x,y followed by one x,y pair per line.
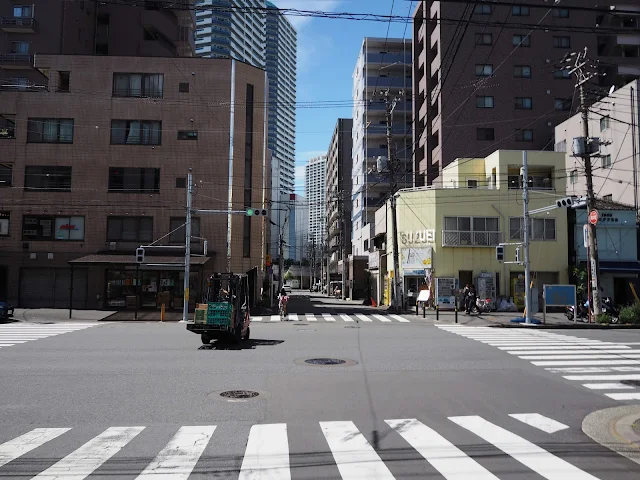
x,y
412,401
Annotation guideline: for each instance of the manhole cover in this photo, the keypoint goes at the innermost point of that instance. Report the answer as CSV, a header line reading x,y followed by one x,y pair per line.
x,y
633,383
239,394
325,361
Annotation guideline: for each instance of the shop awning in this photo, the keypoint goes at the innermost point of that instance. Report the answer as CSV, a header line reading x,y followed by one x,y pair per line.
x,y
105,259
628,267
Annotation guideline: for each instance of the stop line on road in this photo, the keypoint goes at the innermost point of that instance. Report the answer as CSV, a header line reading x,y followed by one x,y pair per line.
x,y
606,367
267,450
333,318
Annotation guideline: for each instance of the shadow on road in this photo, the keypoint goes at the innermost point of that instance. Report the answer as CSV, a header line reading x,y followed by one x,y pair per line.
x,y
244,345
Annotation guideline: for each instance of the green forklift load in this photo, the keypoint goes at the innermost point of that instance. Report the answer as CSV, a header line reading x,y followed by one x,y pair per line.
x,y
225,312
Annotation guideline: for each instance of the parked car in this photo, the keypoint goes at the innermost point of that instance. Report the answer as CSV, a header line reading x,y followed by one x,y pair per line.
x,y
6,310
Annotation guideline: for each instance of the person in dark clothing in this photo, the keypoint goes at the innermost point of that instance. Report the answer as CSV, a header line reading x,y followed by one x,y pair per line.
x,y
471,299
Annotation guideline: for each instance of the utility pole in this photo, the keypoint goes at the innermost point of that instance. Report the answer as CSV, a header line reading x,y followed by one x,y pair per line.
x,y
343,243
584,147
187,252
397,287
281,253
525,231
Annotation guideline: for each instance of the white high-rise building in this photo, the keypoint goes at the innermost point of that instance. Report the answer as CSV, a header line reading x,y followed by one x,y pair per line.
x,y
315,187
383,64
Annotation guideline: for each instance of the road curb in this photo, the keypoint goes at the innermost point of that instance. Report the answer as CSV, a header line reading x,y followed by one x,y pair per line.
x,y
612,428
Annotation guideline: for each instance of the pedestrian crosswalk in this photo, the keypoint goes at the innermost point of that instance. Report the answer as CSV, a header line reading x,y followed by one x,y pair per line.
x,y
333,318
607,367
16,333
266,451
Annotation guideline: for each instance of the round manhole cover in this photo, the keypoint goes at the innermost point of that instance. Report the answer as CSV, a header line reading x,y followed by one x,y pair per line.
x,y
325,361
239,394
633,383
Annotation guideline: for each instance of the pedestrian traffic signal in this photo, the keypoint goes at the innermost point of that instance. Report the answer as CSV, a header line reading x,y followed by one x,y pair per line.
x,y
500,254
140,255
256,212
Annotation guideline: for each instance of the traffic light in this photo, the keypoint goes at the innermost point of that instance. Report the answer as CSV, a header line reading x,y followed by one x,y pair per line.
x,y
256,212
566,202
140,255
518,254
500,253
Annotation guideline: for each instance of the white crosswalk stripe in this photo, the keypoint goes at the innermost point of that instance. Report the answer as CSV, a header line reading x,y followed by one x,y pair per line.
x,y
332,318
601,363
20,332
268,450
328,318
293,317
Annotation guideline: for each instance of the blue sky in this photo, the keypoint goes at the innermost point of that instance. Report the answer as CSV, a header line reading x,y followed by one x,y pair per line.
x,y
327,52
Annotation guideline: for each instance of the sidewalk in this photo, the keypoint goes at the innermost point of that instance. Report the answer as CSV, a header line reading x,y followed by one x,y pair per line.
x,y
54,315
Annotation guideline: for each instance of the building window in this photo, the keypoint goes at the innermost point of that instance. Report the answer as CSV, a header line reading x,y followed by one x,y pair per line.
x,y
521,41
484,39
5,221
524,103
518,11
50,130
522,71
22,11
524,135
6,174
64,79
471,183
539,228
187,134
178,232
485,134
561,12
484,102
561,146
181,182
563,104
134,180
136,132
608,198
482,9
129,229
47,179
138,85
573,177
47,227
605,161
562,74
20,48
483,70
561,42
470,231
604,123
183,87
7,126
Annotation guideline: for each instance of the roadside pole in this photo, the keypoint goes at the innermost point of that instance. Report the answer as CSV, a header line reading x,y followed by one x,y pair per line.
x,y
525,230
187,250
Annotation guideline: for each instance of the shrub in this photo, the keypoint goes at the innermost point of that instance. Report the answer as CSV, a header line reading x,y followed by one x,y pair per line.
x,y
630,314
603,318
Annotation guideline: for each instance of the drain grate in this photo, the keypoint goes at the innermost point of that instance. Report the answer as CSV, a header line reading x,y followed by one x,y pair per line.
x,y
325,361
239,394
633,383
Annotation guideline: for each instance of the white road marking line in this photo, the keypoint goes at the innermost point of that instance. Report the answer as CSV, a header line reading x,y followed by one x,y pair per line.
x,y
293,317
29,441
567,347
89,457
355,457
328,317
380,317
256,319
177,460
610,378
364,318
346,318
607,386
275,318
540,422
592,355
444,456
559,363
514,346
310,317
399,318
267,454
568,353
624,396
530,455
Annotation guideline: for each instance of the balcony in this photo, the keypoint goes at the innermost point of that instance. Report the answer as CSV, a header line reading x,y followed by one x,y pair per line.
x,y
380,129
16,61
389,58
389,82
18,24
455,238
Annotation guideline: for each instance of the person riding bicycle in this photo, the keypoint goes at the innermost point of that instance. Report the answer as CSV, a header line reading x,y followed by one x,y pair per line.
x,y
283,299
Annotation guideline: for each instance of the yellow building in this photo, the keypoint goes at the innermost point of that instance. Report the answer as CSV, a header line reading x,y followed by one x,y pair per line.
x,y
450,231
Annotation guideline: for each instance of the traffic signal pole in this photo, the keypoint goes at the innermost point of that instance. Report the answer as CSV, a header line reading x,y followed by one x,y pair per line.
x,y
525,231
187,250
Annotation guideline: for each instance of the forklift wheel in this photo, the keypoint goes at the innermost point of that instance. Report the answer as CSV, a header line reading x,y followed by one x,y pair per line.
x,y
206,340
237,337
248,334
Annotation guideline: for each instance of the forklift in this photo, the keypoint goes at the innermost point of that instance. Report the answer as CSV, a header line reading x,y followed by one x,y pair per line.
x,y
227,309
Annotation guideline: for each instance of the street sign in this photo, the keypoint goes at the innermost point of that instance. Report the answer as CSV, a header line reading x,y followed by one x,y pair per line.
x,y
593,217
268,260
585,235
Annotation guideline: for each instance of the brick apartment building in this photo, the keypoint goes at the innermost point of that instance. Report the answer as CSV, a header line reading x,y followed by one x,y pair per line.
x,y
99,123
481,83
